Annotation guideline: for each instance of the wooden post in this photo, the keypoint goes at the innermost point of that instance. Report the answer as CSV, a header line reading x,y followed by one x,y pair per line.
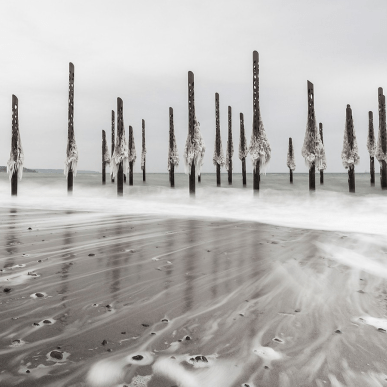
x,y
229,150
256,114
351,168
120,130
171,143
372,158
191,127
103,157
311,126
14,143
217,138
130,162
70,132
291,155
382,128
243,138
143,149
113,139
172,175
322,140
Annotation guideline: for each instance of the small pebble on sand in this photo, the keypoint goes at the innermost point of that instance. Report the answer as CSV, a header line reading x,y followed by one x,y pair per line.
x,y
56,355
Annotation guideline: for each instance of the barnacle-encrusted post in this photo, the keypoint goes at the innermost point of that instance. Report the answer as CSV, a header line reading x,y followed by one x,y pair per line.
x,y
311,135
381,154
143,152
290,160
313,149
322,167
103,157
120,157
132,155
191,127
259,149
371,146
218,158
230,147
173,157
194,146
16,157
350,153
243,151
113,140
72,152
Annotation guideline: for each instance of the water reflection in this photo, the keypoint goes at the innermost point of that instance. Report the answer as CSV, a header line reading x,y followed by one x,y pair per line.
x,y
11,239
190,264
169,227
113,261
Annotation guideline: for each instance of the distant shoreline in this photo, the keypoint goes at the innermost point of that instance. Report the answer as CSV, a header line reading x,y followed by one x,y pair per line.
x,y
58,171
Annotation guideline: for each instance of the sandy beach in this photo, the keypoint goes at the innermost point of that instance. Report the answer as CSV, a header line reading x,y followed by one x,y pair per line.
x,y
91,299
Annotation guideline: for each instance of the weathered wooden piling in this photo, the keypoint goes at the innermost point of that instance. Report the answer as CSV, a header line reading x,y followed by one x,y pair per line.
x,y
311,126
259,149
72,152
371,146
313,149
290,160
143,152
113,139
382,143
256,114
218,158
243,151
173,157
120,131
191,127
132,155
350,155
171,166
350,135
194,146
16,152
322,140
103,157
230,147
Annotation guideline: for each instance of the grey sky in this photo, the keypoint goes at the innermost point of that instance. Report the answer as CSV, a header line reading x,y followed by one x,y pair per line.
x,y
142,51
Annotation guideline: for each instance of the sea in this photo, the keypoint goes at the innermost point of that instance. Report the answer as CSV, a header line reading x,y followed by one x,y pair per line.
x,y
330,207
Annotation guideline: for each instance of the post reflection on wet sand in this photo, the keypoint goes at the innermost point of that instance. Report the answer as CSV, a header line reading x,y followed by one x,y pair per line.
x,y
148,299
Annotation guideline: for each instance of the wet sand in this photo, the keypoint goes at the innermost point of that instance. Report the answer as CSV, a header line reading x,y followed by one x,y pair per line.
x,y
154,301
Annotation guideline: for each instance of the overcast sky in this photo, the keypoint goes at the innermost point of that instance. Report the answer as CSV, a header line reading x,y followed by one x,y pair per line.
x,y
142,51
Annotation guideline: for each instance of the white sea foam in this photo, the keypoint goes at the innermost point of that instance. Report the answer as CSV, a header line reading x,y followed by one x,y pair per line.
x,y
326,210
267,353
220,373
106,373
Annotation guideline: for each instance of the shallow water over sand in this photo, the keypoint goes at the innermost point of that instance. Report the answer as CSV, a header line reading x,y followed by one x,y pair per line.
x,y
136,299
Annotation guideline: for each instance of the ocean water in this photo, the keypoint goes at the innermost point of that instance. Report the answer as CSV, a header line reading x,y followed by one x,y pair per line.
x,y
227,289
330,207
